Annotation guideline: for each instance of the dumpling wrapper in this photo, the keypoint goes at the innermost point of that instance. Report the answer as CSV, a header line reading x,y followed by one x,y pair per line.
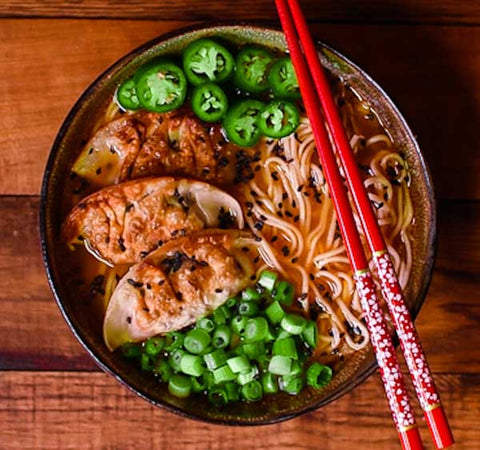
x,y
177,284
141,144
123,223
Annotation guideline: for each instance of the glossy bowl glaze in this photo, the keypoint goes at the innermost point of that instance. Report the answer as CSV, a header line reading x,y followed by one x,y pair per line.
x,y
66,147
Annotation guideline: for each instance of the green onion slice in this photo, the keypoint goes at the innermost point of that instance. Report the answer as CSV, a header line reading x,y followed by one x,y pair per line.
x,y
180,386
319,375
196,340
293,323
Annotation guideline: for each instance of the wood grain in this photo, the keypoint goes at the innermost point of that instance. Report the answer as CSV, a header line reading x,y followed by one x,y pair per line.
x,y
47,63
390,11
448,322
78,410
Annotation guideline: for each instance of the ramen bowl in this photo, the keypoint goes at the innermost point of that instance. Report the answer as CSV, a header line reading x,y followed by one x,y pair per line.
x,y
354,369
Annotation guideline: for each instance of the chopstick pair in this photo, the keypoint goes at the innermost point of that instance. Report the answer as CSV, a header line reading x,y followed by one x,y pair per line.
x,y
291,16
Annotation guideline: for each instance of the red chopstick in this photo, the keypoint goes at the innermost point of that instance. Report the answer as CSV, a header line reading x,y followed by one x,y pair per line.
x,y
409,340
390,371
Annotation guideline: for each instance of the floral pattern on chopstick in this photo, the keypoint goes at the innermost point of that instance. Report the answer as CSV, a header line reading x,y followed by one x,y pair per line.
x,y
390,371
407,334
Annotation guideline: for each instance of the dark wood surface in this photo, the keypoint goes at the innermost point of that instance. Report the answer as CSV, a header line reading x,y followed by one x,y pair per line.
x,y
425,54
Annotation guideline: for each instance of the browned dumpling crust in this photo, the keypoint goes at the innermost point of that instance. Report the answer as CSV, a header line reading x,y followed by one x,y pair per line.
x,y
145,144
177,284
123,223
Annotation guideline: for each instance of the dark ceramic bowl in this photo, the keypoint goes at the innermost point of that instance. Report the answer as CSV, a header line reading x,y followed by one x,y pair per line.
x,y
76,128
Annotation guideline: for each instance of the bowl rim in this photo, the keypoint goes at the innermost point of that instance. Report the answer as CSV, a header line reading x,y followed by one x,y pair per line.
x,y
53,281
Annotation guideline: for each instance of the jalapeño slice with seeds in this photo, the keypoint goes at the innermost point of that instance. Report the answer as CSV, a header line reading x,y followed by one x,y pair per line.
x,y
127,95
279,119
283,81
241,123
209,102
161,86
206,60
251,69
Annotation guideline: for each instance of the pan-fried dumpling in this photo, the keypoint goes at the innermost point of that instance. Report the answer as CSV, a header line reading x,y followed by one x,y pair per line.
x,y
177,284
145,144
123,223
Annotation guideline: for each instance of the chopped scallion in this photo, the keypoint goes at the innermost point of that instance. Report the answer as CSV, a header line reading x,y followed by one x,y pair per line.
x,y
256,329
180,386
293,323
275,312
222,374
280,365
196,340
285,347
252,391
239,364
319,375
269,383
251,294
309,334
215,359
192,365
284,293
267,280
221,336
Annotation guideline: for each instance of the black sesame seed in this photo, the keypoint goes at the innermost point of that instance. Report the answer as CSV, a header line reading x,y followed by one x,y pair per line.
x,y
245,249
129,319
300,188
149,286
294,204
296,218
256,259
285,250
279,214
90,151
284,196
311,276
275,175
274,238
161,282
288,214
294,260
98,171
121,244
280,205
218,290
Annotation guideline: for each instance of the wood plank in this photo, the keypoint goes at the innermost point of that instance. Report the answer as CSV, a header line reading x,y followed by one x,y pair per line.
x,y
391,11
448,322
66,410
437,86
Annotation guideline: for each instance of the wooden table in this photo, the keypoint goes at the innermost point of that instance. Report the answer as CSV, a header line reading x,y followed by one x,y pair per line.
x,y
425,53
